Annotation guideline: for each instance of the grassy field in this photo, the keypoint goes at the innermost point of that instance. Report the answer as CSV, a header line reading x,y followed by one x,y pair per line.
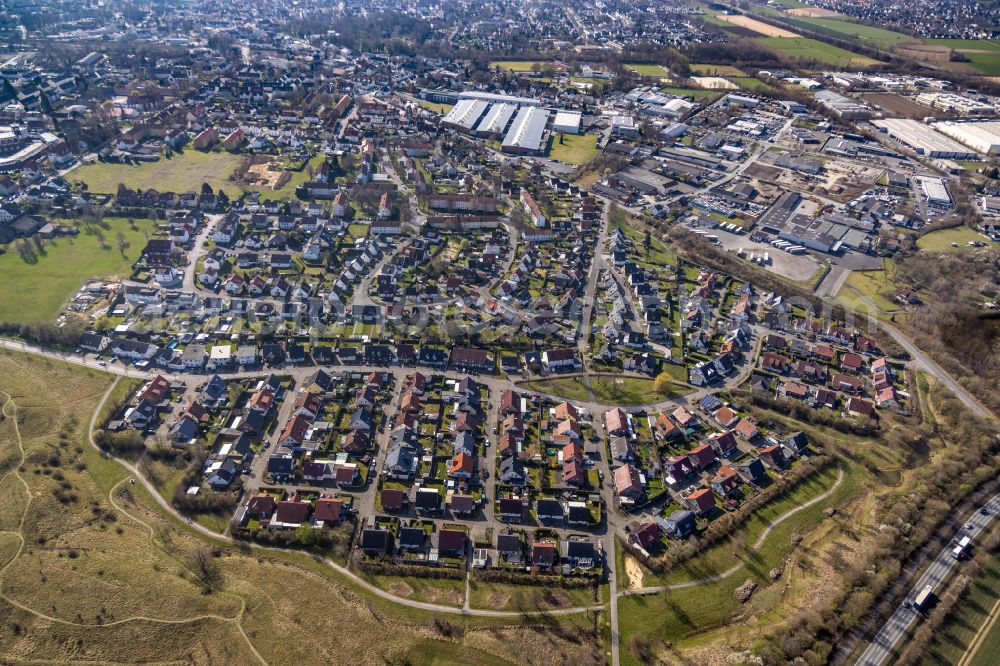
x,y
942,240
37,291
436,107
516,65
811,49
500,596
184,172
984,54
696,93
118,574
649,70
607,389
441,591
574,148
709,69
870,284
750,83
719,558
842,28
287,191
685,617
954,638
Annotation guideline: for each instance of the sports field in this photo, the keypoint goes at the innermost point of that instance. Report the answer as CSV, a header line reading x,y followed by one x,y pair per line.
x,y
37,291
810,49
184,172
649,70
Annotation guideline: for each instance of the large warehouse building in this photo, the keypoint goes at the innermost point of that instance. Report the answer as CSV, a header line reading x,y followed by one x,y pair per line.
x,y
923,139
527,135
496,120
982,137
465,115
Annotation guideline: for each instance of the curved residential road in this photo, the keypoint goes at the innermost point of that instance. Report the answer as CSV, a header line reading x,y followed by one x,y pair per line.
x,y
924,361
756,544
354,578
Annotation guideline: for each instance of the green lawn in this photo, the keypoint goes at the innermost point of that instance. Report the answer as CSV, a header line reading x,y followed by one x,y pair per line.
x,y
436,107
967,44
987,62
942,240
844,28
607,389
696,93
709,69
719,558
287,191
571,388
811,49
649,70
517,65
688,612
953,639
574,148
184,172
750,83
36,292
871,284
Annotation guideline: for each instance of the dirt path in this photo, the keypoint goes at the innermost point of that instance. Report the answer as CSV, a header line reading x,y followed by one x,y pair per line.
x,y
8,405
340,569
981,634
756,544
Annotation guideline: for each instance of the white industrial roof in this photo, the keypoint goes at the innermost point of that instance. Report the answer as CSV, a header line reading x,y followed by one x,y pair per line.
x,y
528,129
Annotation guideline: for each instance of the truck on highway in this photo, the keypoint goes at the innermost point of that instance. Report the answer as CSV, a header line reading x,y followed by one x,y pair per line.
x,y
960,549
920,602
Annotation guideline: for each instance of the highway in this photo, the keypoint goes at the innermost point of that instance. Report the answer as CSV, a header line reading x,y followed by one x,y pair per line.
x,y
940,569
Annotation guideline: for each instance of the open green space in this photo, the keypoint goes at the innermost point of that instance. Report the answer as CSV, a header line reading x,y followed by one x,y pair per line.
x,y
649,70
750,83
184,172
942,240
696,93
503,596
811,49
37,291
844,28
436,107
708,69
574,148
983,54
958,632
517,65
608,389
967,44
443,591
870,285
681,613
719,557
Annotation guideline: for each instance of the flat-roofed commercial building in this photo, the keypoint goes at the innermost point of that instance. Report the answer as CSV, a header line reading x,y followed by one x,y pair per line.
x,y
567,122
465,115
935,191
982,137
527,135
495,121
923,139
